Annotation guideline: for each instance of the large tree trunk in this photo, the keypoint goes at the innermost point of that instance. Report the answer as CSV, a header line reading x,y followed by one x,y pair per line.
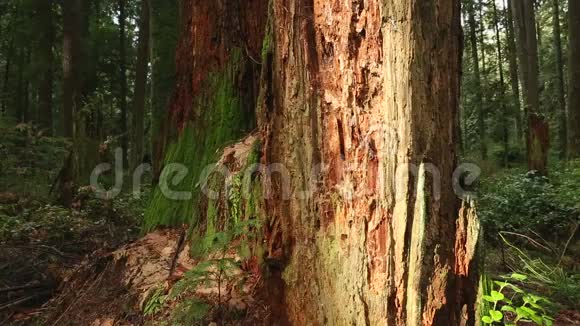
x,y
526,37
477,76
45,56
356,111
138,129
369,91
574,79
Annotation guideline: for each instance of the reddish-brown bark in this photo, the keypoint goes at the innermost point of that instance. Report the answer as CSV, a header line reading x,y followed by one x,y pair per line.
x,y
367,93
365,89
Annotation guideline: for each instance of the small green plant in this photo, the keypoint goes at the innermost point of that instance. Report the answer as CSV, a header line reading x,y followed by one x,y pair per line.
x,y
213,272
503,299
191,312
155,302
556,282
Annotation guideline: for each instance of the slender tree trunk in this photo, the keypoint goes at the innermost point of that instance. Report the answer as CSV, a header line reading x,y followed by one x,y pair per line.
x,y
70,54
482,29
99,131
477,75
514,72
71,11
46,61
21,98
538,135
7,66
123,127
560,86
90,65
18,100
26,114
164,30
140,86
574,79
540,40
502,100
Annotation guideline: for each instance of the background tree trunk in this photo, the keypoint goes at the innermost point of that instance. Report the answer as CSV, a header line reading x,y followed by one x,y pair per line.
x,y
71,10
19,101
6,77
164,32
477,74
574,79
123,126
514,72
45,56
504,114
560,86
138,129
525,27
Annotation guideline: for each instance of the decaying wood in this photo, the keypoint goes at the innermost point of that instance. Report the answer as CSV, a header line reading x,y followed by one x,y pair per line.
x,y
366,89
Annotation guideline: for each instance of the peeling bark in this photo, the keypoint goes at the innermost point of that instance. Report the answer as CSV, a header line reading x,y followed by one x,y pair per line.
x,y
357,101
370,91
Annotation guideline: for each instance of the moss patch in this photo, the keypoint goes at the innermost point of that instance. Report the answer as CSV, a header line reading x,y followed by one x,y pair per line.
x,y
223,113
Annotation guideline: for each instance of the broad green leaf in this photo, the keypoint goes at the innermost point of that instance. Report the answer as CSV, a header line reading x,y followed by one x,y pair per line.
x,y
519,277
537,319
515,288
508,308
537,306
501,284
497,296
521,313
487,319
529,310
548,321
488,298
496,315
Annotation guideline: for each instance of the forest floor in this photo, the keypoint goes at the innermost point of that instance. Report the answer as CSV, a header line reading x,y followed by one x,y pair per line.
x,y
90,265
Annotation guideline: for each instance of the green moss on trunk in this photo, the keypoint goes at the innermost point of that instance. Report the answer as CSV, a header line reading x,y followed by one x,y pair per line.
x,y
223,112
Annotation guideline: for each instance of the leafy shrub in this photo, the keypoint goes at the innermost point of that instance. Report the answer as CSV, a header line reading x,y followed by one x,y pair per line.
x,y
531,204
506,303
217,271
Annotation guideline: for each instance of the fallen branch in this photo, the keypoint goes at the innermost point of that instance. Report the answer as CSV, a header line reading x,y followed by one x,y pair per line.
x,y
21,287
19,301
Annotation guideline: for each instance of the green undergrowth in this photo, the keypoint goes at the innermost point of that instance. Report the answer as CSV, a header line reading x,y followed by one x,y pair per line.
x,y
527,203
531,228
29,161
222,115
